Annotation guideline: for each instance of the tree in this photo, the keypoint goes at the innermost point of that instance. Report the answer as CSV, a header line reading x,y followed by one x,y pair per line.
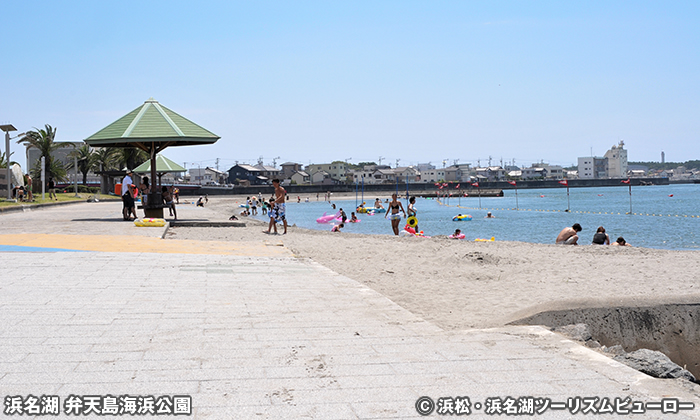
x,y
86,160
3,160
105,158
44,141
131,157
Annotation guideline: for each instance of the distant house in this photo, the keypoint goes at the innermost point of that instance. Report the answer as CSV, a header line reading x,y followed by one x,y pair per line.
x,y
248,173
206,176
288,169
300,178
491,173
432,175
457,172
322,178
336,170
268,172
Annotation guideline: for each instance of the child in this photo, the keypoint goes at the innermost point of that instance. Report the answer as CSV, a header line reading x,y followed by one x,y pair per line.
x,y
337,228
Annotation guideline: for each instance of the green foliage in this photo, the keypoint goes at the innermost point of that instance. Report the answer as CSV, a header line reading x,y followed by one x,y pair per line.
x,y
86,160
130,157
3,160
54,169
359,165
44,141
105,158
658,166
88,190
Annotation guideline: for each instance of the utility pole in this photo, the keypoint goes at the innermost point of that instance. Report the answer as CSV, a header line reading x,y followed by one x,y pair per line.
x,y
397,162
217,164
490,160
381,158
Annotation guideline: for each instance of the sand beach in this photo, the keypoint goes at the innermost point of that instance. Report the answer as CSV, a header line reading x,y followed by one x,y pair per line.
x,y
464,284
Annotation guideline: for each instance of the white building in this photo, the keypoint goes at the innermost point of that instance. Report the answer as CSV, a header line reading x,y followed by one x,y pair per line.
x,y
612,165
617,161
207,176
432,175
336,169
592,167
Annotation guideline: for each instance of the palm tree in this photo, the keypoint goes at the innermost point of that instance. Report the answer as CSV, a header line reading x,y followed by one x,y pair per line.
x,y
131,157
86,160
3,160
105,157
44,141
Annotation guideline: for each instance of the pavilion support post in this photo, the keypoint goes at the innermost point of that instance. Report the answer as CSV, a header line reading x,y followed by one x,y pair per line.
x,y
154,204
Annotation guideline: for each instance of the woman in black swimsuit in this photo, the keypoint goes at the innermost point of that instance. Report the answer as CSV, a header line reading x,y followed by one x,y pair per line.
x,y
394,207
600,237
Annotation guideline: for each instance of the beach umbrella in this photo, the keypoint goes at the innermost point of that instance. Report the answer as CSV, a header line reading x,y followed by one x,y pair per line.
x,y
152,128
163,166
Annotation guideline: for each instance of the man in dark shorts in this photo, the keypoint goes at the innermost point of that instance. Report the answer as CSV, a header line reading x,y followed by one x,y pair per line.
x,y
128,195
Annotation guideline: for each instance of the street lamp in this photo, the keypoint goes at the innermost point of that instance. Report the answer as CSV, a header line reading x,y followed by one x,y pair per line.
x,y
7,128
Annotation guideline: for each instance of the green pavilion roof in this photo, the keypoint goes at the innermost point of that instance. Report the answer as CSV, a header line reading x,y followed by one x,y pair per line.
x,y
151,123
163,165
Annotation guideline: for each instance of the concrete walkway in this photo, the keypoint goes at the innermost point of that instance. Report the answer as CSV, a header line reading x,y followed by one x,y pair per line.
x,y
248,331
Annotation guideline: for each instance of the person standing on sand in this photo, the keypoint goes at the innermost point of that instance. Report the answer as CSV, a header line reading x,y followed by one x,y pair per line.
x,y
277,212
569,235
168,199
395,206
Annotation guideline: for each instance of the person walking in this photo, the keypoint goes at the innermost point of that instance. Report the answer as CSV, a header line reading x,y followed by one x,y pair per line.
x,y
394,207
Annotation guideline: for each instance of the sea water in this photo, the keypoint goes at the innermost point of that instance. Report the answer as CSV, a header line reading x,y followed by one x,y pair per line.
x,y
664,217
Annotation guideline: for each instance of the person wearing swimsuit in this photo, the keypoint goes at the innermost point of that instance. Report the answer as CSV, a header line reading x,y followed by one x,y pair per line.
x,y
600,237
394,207
412,210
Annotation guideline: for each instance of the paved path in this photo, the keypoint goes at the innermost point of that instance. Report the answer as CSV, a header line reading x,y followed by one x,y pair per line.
x,y
253,335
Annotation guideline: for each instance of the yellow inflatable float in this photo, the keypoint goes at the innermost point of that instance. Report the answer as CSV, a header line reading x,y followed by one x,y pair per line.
x,y
149,222
493,239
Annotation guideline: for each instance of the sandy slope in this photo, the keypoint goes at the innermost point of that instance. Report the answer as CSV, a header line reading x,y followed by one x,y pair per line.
x,y
460,284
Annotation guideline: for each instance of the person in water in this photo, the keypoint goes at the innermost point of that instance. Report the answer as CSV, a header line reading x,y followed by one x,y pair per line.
x,y
600,237
378,204
394,207
489,215
412,211
337,228
353,218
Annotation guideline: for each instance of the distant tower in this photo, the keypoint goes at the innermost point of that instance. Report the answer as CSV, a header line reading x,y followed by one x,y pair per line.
x,y
663,157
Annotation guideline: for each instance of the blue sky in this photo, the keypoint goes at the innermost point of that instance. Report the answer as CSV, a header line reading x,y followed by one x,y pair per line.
x,y
312,82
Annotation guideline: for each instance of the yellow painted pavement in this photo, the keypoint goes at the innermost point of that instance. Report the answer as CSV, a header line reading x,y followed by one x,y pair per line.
x,y
140,244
